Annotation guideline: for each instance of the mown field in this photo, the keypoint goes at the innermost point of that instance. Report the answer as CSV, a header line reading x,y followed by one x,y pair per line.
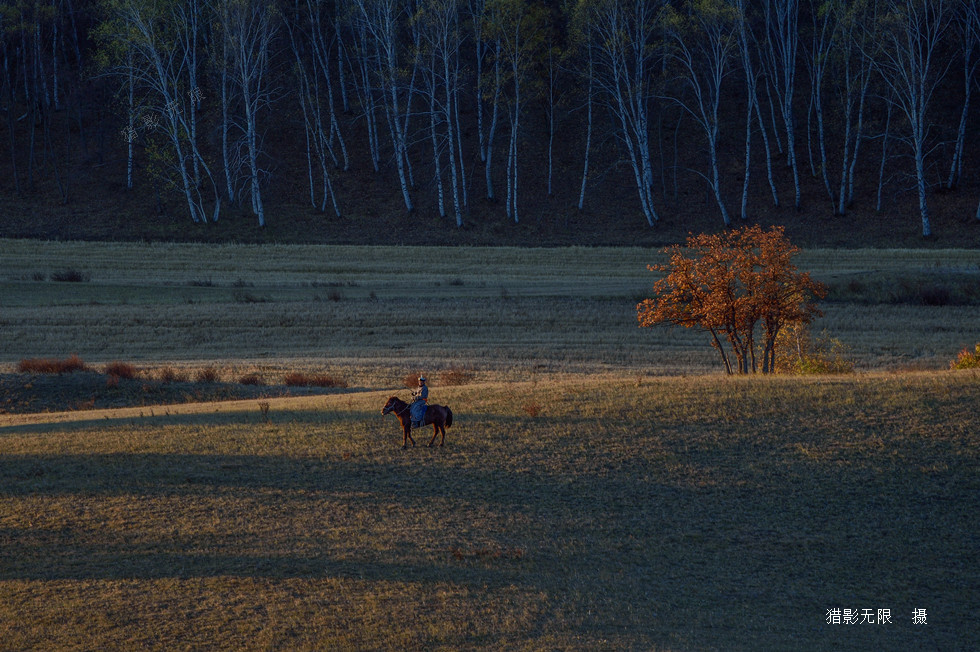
x,y
602,487
372,313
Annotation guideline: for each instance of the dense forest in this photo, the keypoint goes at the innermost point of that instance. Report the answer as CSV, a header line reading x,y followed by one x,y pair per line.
x,y
457,113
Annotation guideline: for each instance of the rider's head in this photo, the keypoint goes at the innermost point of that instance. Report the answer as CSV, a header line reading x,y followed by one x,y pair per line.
x,y
421,380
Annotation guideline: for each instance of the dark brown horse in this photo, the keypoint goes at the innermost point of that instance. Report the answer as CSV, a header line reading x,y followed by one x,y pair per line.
x,y
440,416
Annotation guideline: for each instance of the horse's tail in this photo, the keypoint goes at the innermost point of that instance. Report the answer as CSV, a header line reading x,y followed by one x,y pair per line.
x,y
449,418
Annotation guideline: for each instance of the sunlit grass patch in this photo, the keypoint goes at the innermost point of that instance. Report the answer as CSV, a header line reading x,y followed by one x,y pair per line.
x,y
662,515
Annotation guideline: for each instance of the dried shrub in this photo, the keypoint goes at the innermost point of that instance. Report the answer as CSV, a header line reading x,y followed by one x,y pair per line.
x,y
323,380
171,375
455,376
251,379
248,297
935,295
410,381
48,366
71,276
121,370
297,379
112,381
207,375
532,408
37,366
967,359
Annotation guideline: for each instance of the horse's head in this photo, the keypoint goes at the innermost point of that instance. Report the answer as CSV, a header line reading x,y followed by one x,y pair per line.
x,y
390,405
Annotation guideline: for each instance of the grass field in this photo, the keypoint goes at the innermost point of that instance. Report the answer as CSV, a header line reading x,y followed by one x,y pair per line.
x,y
589,496
371,314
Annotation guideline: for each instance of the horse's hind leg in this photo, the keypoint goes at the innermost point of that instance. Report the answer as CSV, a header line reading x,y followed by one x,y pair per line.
x,y
435,432
442,442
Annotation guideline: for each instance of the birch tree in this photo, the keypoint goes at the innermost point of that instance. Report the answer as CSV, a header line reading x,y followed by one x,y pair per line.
x,y
589,71
438,24
623,34
823,37
6,92
251,27
476,10
703,40
518,25
379,19
159,69
491,86
306,36
909,59
753,111
967,27
781,49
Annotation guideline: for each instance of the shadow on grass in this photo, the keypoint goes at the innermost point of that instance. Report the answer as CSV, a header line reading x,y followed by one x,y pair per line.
x,y
759,556
67,559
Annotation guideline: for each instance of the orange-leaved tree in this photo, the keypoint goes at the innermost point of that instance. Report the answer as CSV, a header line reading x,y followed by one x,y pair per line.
x,y
732,284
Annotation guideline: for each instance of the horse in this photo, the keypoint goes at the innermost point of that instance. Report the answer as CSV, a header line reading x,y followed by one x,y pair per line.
x,y
440,416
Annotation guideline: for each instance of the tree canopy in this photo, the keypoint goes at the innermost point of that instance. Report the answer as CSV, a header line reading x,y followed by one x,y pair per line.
x,y
732,284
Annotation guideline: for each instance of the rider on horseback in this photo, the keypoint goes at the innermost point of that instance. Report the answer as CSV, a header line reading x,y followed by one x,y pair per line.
x,y
421,398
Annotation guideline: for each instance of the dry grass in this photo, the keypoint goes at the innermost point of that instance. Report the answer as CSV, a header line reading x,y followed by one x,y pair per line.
x,y
170,375
624,511
567,310
681,514
298,379
121,370
207,375
456,376
69,365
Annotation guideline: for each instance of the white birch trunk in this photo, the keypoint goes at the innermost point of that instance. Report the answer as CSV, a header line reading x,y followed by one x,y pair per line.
x,y
588,132
451,119
494,116
435,140
131,122
884,156
970,35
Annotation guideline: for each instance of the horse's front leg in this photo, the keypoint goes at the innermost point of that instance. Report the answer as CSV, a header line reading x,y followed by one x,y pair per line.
x,y
407,428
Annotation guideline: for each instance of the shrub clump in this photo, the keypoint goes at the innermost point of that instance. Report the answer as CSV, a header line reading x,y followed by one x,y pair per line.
x,y
207,375
121,370
410,381
967,359
798,353
251,379
297,379
70,276
171,375
531,408
48,366
455,376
